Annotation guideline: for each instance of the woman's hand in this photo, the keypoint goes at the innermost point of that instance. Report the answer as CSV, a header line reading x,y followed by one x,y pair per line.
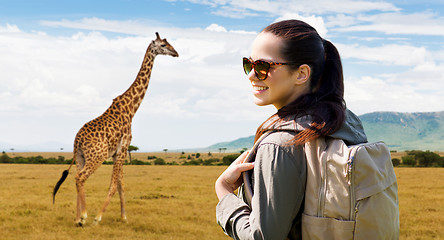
x,y
231,179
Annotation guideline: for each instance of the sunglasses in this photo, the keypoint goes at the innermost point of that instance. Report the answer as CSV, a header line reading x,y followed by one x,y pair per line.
x,y
261,68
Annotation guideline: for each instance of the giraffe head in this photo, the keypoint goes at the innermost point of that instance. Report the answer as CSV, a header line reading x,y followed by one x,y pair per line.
x,y
161,46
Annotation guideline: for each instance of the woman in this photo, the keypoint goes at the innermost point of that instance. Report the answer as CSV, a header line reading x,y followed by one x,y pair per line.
x,y
294,69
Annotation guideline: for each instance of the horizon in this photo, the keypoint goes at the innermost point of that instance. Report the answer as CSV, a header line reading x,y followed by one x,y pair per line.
x,y
61,66
35,148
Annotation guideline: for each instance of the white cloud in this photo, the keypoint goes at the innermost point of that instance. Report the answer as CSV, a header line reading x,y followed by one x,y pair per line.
x,y
424,23
340,20
315,21
128,27
349,6
392,54
244,8
9,29
394,93
216,28
234,12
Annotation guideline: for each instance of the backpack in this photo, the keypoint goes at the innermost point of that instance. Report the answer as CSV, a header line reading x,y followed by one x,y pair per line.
x,y
351,191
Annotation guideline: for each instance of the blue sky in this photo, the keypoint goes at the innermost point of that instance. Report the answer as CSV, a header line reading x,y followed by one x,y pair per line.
x,y
62,63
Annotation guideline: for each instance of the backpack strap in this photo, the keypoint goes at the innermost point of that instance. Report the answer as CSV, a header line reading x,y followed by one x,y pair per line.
x,y
247,174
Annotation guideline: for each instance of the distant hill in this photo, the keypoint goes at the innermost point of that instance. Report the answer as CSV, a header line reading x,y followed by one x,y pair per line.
x,y
401,131
233,146
406,131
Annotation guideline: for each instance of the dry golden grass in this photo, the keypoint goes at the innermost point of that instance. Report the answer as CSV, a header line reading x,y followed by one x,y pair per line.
x,y
163,202
167,202
421,202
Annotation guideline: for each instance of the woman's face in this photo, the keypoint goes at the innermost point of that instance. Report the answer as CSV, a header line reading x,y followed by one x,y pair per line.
x,y
282,85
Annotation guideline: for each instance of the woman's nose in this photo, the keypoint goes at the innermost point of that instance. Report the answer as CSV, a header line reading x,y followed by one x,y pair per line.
x,y
252,76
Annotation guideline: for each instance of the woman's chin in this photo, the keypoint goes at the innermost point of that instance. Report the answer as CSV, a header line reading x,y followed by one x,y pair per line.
x,y
260,102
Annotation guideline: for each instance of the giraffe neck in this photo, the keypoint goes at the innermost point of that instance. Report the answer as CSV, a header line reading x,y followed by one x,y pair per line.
x,y
132,98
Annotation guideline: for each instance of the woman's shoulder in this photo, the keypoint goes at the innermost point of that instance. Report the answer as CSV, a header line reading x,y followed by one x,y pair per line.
x,y
280,141
280,138
277,149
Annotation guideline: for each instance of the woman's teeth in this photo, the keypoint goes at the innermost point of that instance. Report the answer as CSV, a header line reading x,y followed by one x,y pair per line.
x,y
259,88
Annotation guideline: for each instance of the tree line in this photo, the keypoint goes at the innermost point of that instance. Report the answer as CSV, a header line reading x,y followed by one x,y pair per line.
x,y
414,158
151,160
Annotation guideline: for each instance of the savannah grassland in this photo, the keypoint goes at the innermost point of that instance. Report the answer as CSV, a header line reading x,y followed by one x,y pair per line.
x,y
167,202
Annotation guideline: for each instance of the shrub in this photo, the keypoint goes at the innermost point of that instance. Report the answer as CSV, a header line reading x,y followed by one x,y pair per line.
x,y
159,161
38,160
138,162
68,161
423,159
396,162
51,161
428,159
194,162
4,158
20,160
409,160
227,160
210,161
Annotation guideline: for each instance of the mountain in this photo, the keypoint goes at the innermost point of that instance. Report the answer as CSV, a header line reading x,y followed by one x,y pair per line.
x,y
406,131
233,146
400,131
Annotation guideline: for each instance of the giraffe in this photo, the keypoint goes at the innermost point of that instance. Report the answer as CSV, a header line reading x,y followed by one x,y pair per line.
x,y
109,135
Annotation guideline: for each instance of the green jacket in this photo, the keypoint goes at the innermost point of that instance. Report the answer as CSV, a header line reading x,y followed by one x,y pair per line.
x,y
279,185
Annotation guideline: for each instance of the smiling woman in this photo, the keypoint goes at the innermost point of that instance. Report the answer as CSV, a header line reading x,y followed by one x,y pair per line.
x,y
292,68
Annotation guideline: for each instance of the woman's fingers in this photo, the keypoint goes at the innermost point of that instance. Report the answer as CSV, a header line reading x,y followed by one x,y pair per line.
x,y
245,155
230,179
245,167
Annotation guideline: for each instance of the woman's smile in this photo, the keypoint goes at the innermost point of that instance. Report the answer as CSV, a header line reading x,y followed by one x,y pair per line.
x,y
259,89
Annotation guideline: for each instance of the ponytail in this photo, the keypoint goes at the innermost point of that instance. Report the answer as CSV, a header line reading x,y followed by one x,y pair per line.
x,y
328,94
332,80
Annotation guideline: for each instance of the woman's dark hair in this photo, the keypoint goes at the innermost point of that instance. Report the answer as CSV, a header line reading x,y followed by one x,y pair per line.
x,y
325,101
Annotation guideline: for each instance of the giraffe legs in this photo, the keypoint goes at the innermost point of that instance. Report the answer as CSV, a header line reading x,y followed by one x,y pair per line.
x,y
81,216
86,166
85,169
120,186
116,184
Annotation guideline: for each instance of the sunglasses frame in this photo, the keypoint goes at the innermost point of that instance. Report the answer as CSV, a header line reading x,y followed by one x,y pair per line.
x,y
267,68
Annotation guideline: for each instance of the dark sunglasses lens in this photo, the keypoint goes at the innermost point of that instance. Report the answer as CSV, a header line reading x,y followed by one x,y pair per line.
x,y
261,69
247,65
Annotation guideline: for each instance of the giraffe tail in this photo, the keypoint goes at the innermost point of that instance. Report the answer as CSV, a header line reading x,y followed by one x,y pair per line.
x,y
57,186
61,180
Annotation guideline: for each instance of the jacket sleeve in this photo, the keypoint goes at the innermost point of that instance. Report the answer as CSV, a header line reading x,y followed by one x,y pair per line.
x,y
279,186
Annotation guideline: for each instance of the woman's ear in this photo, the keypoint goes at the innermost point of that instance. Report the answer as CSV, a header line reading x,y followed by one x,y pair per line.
x,y
303,74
